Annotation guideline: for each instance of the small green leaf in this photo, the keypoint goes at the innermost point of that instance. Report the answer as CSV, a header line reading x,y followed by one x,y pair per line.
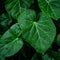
x,y
35,57
37,34
46,57
10,44
50,7
15,7
5,20
54,54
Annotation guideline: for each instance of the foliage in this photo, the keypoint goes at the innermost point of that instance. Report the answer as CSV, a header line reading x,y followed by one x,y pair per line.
x,y
29,30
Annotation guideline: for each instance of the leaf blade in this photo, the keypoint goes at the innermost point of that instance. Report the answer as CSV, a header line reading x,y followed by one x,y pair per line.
x,y
15,7
51,8
9,42
38,34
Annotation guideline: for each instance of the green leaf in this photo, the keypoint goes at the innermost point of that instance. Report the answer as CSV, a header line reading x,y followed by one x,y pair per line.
x,y
11,48
26,19
50,7
5,20
40,35
46,57
58,39
35,57
10,44
15,7
54,54
26,3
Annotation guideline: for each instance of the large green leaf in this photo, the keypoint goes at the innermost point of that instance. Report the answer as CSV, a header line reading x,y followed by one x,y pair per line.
x,y
10,44
15,7
40,34
11,48
50,7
